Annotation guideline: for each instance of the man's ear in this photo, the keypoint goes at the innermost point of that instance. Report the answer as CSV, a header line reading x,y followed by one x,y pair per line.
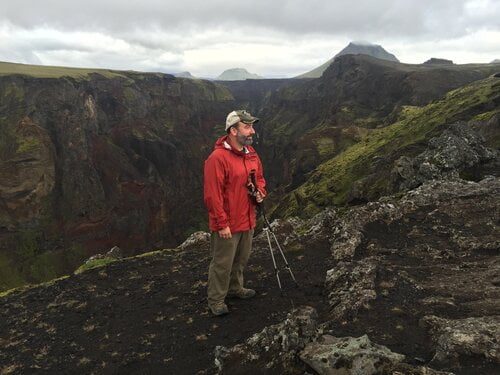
x,y
233,130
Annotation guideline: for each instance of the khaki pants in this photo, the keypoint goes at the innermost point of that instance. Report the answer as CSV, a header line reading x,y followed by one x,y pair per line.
x,y
229,258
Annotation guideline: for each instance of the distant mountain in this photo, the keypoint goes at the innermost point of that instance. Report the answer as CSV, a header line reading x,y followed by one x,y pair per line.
x,y
375,50
237,74
496,61
185,75
434,60
354,48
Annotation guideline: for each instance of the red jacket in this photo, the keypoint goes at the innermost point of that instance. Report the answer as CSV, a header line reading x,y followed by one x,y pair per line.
x,y
226,175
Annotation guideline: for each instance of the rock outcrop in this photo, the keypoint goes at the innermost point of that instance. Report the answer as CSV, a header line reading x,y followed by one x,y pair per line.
x,y
413,289
456,338
458,149
348,355
426,264
275,348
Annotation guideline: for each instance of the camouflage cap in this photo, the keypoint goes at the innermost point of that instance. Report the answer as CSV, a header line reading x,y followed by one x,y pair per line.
x,y
239,116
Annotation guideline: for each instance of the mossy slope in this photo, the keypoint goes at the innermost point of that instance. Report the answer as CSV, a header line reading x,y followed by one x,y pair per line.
x,y
364,168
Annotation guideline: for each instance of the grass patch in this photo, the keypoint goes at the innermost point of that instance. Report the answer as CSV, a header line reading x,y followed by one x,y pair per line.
x,y
41,71
486,115
96,263
154,252
31,286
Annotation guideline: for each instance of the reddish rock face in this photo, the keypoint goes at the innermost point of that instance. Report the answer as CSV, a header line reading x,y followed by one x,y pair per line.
x,y
102,161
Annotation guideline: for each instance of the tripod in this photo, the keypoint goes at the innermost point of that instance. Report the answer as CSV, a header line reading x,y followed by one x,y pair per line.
x,y
269,232
252,187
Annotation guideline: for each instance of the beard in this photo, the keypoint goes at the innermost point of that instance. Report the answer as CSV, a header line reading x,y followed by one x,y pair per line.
x,y
245,141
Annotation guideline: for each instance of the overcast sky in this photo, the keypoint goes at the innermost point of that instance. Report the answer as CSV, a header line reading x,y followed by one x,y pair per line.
x,y
269,37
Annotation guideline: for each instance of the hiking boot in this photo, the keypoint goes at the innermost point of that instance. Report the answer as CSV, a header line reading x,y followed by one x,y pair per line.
x,y
219,309
243,294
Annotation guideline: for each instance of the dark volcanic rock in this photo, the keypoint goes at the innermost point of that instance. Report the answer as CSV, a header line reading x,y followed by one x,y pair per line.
x,y
424,265
455,338
417,274
277,346
148,315
459,148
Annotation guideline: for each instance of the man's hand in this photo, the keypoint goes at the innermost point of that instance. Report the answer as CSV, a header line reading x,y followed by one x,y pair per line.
x,y
259,197
225,233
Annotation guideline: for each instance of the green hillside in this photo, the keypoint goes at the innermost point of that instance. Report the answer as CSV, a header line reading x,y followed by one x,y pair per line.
x,y
42,71
359,165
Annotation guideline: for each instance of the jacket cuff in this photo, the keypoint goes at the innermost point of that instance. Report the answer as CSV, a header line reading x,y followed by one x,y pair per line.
x,y
222,224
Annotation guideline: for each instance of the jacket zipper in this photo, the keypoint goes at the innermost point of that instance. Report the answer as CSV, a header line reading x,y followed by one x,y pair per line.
x,y
249,203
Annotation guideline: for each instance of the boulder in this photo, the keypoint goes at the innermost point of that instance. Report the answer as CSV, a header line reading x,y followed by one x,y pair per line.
x,y
114,253
197,238
349,356
457,149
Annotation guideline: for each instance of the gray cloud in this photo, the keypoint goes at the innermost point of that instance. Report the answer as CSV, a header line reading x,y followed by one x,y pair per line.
x,y
173,35
424,17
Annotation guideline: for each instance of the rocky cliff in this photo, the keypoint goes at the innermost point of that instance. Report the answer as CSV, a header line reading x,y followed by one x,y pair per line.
x,y
346,125
403,285
95,160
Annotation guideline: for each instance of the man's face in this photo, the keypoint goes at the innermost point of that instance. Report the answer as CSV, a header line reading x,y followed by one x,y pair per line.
x,y
245,133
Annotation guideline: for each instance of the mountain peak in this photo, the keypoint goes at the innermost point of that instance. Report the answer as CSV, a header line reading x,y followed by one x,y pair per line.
x,y
184,75
435,60
366,48
354,48
361,43
237,74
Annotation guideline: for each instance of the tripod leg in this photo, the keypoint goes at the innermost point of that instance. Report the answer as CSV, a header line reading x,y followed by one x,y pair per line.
x,y
287,266
272,256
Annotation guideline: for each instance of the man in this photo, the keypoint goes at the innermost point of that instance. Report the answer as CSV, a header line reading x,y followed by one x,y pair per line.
x,y
231,209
